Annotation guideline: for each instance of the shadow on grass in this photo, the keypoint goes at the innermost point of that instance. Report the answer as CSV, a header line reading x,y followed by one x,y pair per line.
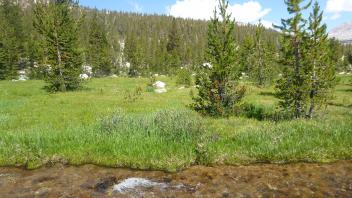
x,y
339,105
264,113
267,93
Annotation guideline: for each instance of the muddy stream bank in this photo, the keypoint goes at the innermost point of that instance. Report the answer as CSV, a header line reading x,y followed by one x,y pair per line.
x,y
295,180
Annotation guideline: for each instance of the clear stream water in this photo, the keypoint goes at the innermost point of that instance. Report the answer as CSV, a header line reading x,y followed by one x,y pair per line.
x,y
292,180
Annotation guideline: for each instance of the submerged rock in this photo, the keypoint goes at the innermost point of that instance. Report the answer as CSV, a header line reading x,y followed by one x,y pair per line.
x,y
104,184
131,184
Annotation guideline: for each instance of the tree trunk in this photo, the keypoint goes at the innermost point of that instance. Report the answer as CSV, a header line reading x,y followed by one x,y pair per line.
x,y
59,62
298,99
313,93
261,65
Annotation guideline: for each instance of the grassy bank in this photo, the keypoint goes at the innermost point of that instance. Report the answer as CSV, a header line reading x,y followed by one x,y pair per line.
x,y
103,126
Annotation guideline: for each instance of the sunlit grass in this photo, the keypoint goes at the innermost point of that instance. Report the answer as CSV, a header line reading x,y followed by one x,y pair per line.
x,y
38,128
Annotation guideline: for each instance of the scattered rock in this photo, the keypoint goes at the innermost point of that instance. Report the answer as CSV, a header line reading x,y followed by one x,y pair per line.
x,y
159,91
43,179
207,65
104,184
160,87
43,192
87,70
84,76
128,65
114,76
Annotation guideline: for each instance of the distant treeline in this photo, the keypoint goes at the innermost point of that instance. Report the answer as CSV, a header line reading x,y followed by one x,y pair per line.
x,y
124,43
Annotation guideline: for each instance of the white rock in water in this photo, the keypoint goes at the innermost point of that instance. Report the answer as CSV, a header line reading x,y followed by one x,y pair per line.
x,y
84,76
159,85
132,183
159,91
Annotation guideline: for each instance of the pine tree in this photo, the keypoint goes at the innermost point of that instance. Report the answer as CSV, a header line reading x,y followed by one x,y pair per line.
x,y
11,39
293,88
3,57
261,61
321,70
54,21
246,53
218,92
133,53
99,50
2,61
349,57
173,46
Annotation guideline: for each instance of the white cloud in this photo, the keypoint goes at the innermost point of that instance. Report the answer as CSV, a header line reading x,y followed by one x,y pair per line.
x,y
247,12
336,7
268,24
136,6
335,16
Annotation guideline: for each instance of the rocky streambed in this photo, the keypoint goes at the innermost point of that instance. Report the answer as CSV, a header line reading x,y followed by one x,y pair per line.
x,y
293,180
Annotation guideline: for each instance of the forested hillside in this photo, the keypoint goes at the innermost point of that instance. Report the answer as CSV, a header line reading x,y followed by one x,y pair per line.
x,y
123,43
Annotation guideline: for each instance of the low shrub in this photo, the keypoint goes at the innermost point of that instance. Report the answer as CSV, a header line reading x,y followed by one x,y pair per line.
x,y
262,112
184,77
133,96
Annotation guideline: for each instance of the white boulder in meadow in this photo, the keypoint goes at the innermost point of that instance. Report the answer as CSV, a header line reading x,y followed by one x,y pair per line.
x,y
207,65
87,70
159,91
22,76
84,76
160,87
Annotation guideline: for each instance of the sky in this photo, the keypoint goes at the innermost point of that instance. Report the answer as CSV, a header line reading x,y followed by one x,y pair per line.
x,y
336,12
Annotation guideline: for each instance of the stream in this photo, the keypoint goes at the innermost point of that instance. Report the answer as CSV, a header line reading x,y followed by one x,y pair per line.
x,y
292,180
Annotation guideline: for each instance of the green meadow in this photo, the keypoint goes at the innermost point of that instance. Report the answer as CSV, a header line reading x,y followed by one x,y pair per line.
x,y
115,122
